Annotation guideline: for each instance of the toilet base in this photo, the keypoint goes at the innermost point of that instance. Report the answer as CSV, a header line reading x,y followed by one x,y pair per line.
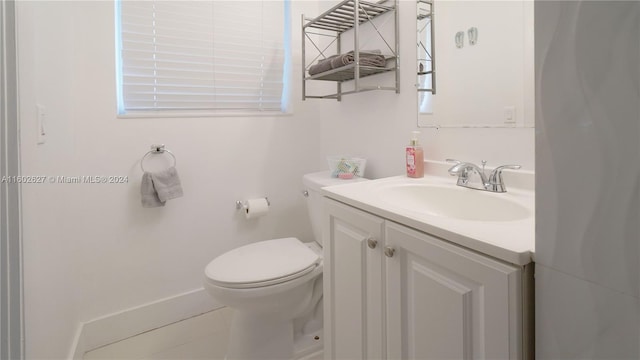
x,y
260,336
269,336
309,346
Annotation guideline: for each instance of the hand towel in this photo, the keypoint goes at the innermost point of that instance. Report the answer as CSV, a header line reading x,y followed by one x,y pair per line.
x,y
149,195
167,184
368,58
322,65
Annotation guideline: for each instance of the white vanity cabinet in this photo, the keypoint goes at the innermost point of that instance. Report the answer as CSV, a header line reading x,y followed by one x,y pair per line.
x,y
353,283
392,292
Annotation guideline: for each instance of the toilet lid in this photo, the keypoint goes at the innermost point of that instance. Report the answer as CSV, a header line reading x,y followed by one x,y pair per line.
x,y
262,262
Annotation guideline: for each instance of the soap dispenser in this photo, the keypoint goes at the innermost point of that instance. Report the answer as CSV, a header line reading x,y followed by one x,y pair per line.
x,y
415,157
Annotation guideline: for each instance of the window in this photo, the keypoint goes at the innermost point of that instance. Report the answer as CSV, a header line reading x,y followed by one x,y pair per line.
x,y
202,56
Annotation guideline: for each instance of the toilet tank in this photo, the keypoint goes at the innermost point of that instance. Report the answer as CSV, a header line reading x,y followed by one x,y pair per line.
x,y
312,184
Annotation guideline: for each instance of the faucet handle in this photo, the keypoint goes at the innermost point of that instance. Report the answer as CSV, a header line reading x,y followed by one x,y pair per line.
x,y
500,168
455,169
495,179
496,174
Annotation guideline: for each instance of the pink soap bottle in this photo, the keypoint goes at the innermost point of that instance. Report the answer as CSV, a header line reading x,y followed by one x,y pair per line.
x,y
415,157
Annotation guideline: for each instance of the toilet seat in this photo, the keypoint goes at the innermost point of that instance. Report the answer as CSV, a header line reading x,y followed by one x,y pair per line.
x,y
263,263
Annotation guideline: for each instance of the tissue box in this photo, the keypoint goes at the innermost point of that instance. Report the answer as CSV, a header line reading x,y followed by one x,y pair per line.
x,y
346,167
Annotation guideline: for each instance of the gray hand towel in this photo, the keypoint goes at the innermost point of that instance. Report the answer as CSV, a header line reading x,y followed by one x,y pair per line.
x,y
167,184
149,195
368,58
322,65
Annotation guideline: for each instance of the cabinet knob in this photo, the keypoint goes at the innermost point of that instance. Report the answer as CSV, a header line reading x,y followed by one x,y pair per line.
x,y
389,251
372,243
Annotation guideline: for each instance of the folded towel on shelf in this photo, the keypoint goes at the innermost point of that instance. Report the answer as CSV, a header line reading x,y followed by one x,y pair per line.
x,y
149,195
322,65
158,187
367,58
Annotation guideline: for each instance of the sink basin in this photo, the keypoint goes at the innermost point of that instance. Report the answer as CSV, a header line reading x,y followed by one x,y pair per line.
x,y
454,202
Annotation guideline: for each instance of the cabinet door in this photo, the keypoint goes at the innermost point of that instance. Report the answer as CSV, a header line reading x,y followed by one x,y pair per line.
x,y
447,302
353,319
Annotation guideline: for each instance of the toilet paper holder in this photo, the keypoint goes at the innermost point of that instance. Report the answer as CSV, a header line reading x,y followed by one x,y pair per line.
x,y
242,204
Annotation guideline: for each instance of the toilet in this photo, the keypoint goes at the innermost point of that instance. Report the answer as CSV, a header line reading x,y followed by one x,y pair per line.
x,y
275,288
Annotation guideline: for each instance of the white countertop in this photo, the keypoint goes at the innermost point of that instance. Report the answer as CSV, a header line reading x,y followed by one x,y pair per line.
x,y
510,241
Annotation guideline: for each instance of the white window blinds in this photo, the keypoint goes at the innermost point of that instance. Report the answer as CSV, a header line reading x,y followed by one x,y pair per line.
x,y
201,55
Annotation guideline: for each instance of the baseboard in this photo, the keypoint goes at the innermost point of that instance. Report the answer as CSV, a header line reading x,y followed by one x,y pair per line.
x,y
130,322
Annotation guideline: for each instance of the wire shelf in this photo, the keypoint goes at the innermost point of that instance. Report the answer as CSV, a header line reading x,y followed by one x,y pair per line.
x,y
342,17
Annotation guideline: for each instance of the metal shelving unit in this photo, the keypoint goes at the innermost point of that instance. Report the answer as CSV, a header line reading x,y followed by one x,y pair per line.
x,y
347,16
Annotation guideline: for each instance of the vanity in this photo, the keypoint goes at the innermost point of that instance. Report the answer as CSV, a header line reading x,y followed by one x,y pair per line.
x,y
425,269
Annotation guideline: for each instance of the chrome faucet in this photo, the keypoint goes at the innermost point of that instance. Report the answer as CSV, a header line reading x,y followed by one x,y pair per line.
x,y
465,170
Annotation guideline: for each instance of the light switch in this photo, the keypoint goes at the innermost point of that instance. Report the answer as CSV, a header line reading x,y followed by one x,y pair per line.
x,y
41,124
509,114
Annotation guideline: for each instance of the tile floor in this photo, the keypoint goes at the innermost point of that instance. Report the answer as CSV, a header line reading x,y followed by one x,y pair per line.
x,y
200,337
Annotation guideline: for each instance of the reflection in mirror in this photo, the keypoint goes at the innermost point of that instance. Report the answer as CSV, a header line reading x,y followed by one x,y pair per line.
x,y
484,65
426,55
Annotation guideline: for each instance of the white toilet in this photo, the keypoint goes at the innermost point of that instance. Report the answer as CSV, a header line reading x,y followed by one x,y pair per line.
x,y
275,288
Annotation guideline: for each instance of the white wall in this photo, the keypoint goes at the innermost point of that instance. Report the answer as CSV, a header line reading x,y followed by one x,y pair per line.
x,y
91,249
378,124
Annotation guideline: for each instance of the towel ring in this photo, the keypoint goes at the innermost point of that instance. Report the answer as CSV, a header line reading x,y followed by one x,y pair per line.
x,y
157,149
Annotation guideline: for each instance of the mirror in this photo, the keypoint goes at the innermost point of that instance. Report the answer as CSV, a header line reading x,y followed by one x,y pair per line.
x,y
475,63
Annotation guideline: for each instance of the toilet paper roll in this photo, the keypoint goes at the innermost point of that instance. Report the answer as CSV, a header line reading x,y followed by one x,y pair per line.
x,y
256,207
